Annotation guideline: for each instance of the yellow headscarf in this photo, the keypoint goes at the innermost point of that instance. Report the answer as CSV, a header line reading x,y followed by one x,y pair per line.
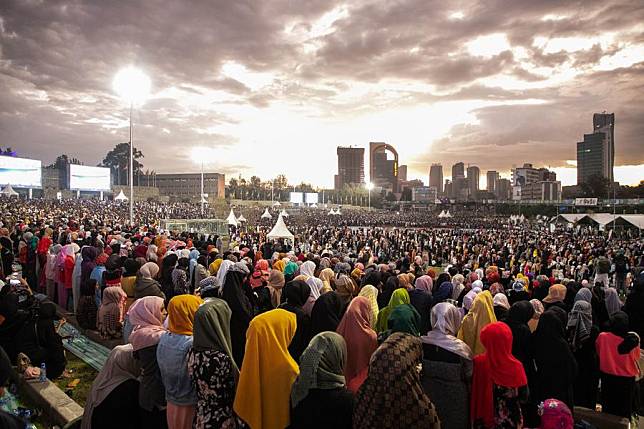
x,y
279,265
181,313
214,266
371,293
268,371
481,315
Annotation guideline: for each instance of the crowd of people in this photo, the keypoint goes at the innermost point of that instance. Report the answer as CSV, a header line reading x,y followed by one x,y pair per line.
x,y
363,323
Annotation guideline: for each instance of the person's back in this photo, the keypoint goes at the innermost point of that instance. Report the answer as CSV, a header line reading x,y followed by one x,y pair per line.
x,y
324,408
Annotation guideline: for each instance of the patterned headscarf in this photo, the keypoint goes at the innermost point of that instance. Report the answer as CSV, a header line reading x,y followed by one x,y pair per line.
x,y
393,373
555,415
321,366
580,323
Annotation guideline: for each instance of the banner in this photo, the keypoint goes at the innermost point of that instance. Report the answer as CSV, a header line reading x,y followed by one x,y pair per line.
x,y
585,201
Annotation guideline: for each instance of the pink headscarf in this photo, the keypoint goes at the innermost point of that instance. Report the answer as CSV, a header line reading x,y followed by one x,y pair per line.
x,y
424,283
146,315
555,415
361,340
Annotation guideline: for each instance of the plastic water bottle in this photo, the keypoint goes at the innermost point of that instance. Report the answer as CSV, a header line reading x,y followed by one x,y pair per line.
x,y
43,372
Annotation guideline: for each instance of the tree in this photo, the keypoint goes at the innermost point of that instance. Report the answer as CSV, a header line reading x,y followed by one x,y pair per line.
x,y
118,160
62,161
281,182
596,186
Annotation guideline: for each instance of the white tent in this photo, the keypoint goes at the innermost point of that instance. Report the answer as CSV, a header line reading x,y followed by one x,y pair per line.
x,y
448,214
231,219
203,200
337,212
314,206
241,219
441,214
8,190
121,196
331,212
276,204
280,230
266,214
284,213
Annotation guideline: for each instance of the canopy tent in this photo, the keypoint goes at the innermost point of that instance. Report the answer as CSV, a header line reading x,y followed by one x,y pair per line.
x,y
337,212
314,206
284,213
448,214
276,204
441,214
241,219
628,221
8,190
280,230
231,219
331,212
266,214
121,196
203,200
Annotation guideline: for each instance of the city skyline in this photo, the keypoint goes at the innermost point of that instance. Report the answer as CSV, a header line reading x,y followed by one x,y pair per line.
x,y
492,85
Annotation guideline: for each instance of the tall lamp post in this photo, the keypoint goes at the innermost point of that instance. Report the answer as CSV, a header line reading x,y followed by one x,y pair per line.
x,y
369,188
133,87
199,156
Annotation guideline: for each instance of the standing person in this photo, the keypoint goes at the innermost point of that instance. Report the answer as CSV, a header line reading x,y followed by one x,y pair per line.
x,y
556,365
582,335
421,298
268,371
212,368
398,297
361,339
42,251
447,367
146,284
67,271
146,316
499,381
480,315
327,313
395,362
113,399
172,356
180,277
50,271
371,293
199,272
619,353
242,309
297,293
110,314
319,397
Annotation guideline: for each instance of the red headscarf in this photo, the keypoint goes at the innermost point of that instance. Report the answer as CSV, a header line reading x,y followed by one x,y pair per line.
x,y
495,366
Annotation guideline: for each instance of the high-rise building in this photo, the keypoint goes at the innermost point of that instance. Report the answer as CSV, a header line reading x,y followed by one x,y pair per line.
x,y
180,187
503,189
522,176
459,184
458,170
383,172
436,177
350,167
492,178
596,154
473,176
402,173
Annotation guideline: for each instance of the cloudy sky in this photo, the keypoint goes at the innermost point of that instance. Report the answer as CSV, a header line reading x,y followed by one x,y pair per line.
x,y
273,86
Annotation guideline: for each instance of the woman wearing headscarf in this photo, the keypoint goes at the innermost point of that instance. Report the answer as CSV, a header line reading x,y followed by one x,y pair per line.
x,y
538,311
404,318
481,315
172,356
110,313
275,285
634,305
355,328
113,399
180,277
444,292
146,317
307,274
268,372
399,297
447,367
582,334
87,311
458,282
319,397
613,304
556,415
67,271
501,306
345,288
128,280
296,293
198,272
556,365
88,254
146,284
50,270
327,312
167,267
499,381
289,271
212,368
327,276
395,361
421,298
618,351
223,270
391,284
371,293
556,296
519,316
518,293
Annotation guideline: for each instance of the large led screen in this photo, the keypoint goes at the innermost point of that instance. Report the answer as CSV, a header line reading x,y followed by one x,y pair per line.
x,y
84,178
311,198
20,172
297,197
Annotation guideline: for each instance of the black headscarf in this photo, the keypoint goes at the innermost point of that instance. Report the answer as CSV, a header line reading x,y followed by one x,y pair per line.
x,y
372,278
242,312
131,267
619,325
327,313
297,293
390,286
518,317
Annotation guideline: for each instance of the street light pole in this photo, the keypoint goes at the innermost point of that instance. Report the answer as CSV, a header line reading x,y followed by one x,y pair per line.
x,y
202,196
131,171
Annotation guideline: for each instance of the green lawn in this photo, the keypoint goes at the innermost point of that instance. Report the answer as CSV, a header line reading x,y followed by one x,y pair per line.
x,y
76,368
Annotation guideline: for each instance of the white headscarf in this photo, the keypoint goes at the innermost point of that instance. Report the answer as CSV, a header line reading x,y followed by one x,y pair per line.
x,y
502,301
223,270
446,321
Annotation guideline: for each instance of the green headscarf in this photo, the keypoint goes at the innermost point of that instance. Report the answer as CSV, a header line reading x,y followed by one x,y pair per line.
x,y
399,297
404,318
211,329
321,366
290,269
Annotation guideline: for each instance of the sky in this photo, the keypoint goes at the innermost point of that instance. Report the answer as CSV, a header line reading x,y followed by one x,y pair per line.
x,y
274,86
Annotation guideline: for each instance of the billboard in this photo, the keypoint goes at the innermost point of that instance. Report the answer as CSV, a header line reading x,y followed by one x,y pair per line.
x,y
311,198
585,201
20,172
85,178
297,197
